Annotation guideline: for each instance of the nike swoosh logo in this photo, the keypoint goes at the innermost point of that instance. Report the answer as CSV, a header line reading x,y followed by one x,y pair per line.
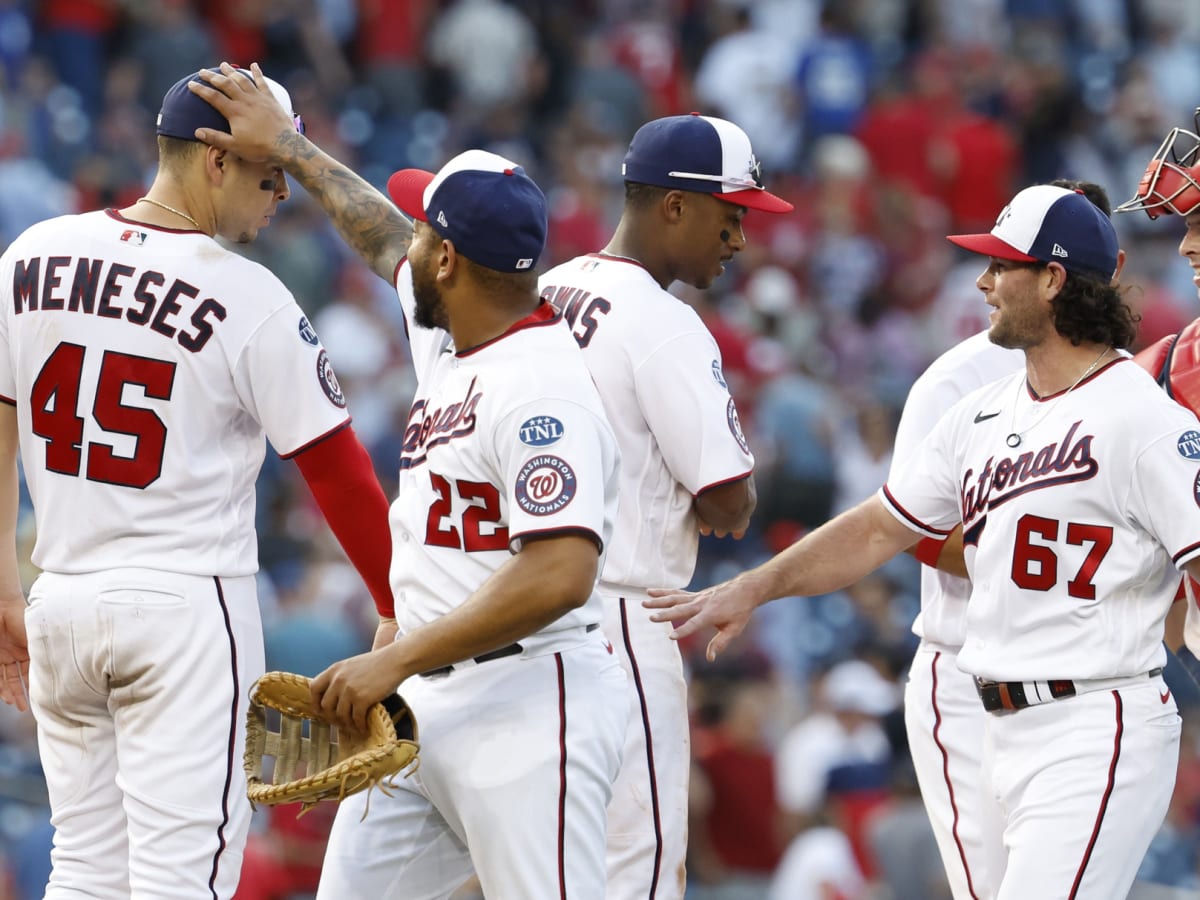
x,y
980,417
1164,697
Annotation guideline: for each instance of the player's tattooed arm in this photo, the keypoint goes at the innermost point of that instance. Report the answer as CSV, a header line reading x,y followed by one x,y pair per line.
x,y
261,130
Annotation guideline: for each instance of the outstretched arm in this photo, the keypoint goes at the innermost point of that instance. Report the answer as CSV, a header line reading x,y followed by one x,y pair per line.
x,y
263,131
14,646
834,556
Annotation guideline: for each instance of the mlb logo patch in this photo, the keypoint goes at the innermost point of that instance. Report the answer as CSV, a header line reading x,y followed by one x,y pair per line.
x,y
137,238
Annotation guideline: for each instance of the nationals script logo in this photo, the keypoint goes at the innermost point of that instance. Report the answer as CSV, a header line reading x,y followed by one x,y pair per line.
x,y
545,485
430,426
1062,462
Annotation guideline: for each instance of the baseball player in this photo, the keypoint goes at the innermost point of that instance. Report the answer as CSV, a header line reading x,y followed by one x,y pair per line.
x,y
943,717
141,365
1170,185
686,468
1076,482
507,495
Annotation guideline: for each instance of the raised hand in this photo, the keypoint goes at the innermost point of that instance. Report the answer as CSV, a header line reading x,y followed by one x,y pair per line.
x,y
727,607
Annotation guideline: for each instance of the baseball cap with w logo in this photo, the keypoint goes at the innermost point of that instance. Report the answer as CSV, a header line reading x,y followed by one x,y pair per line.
x,y
1046,223
701,154
484,204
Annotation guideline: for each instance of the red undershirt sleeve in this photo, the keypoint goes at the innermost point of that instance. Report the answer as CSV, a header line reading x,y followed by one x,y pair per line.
x,y
340,475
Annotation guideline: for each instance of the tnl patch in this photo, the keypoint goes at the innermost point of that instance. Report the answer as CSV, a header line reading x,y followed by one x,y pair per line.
x,y
1189,444
307,332
540,431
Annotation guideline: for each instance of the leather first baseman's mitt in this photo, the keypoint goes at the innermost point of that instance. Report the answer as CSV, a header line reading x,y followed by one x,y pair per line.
x,y
312,760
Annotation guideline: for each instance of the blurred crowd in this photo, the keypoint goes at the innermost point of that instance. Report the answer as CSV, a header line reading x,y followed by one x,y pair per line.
x,y
889,123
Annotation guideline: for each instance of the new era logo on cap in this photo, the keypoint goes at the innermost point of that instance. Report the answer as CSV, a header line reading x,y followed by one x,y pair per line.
x,y
484,204
1045,223
701,154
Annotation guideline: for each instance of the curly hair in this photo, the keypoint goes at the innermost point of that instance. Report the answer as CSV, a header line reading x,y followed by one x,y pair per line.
x,y
1091,308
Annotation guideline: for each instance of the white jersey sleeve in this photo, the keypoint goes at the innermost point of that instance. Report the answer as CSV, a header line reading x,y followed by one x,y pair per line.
x,y
963,368
146,366
658,370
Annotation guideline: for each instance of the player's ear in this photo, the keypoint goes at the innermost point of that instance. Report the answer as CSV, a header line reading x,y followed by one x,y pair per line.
x,y
448,262
215,161
672,205
1057,276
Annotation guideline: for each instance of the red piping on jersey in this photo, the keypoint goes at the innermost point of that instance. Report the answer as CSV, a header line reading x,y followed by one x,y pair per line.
x,y
717,484
1036,399
113,214
915,522
937,727
545,314
7,400
562,777
1108,789
641,695
229,755
557,532
1186,551
328,434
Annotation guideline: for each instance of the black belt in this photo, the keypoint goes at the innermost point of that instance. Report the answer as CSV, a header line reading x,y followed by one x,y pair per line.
x,y
998,695
511,650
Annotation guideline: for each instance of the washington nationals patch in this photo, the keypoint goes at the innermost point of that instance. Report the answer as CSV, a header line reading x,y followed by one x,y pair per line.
x,y
545,485
329,382
735,426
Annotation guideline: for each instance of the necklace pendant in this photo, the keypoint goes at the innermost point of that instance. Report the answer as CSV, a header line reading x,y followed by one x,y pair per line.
x,y
1013,440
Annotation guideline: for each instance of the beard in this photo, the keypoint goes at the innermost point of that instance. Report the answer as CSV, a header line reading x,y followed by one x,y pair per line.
x,y
429,311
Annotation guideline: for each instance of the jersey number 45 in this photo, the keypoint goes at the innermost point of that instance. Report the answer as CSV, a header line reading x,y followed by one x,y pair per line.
x,y
54,406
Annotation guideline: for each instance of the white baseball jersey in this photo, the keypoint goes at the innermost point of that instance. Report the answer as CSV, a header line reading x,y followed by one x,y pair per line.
x,y
963,368
146,364
658,370
1072,538
943,717
503,440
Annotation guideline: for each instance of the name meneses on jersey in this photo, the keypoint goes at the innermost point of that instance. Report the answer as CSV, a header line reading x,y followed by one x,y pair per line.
x,y
111,290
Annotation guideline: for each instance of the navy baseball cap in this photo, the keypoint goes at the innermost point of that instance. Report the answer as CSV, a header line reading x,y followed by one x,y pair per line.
x,y
484,204
1048,224
183,112
701,154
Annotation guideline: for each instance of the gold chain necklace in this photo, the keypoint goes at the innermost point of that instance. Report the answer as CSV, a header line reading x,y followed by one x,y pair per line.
x,y
1014,436
171,209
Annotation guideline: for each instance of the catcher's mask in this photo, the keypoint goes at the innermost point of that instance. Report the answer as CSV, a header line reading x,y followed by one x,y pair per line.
x,y
1171,182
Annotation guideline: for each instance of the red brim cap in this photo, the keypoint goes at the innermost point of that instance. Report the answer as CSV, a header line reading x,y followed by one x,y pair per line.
x,y
990,245
756,199
407,190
